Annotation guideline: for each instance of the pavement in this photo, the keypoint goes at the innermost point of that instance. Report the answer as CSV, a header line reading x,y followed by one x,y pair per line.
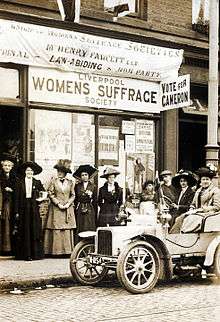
x,y
29,274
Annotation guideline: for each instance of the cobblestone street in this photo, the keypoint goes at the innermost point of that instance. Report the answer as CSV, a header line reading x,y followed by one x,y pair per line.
x,y
173,301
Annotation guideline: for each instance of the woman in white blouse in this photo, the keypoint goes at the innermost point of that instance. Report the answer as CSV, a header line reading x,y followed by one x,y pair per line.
x,y
29,244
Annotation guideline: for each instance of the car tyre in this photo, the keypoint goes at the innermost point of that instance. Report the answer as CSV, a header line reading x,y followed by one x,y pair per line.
x,y
80,266
138,267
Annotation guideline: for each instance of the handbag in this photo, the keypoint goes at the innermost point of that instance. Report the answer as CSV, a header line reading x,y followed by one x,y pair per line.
x,y
192,223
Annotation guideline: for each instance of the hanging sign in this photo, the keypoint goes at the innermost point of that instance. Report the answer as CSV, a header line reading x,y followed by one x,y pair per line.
x,y
35,45
175,93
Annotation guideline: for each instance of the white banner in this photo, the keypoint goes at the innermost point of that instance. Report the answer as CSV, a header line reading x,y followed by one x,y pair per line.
x,y
175,93
68,88
35,45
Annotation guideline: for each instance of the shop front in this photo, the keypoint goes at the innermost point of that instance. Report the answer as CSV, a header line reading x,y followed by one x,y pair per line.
x,y
93,100
62,125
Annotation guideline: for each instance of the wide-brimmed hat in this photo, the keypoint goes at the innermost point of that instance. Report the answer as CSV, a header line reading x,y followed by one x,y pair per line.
x,y
205,172
165,173
30,164
85,168
63,165
185,174
8,157
108,172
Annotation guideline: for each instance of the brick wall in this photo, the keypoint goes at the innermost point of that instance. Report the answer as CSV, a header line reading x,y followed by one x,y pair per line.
x,y
176,13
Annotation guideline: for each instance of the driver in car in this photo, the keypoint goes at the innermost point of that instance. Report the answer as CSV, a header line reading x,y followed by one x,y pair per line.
x,y
205,202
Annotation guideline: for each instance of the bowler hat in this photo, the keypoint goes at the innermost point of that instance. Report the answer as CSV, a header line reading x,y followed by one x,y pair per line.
x,y
205,172
187,175
8,157
63,165
30,164
108,172
87,168
165,173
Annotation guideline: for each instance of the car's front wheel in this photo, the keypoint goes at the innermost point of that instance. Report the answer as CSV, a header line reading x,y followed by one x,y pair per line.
x,y
138,267
81,266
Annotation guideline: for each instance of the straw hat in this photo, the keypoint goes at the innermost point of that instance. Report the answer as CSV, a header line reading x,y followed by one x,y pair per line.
x,y
108,172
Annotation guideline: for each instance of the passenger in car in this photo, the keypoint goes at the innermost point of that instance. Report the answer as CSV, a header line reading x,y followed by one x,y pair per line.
x,y
205,202
183,181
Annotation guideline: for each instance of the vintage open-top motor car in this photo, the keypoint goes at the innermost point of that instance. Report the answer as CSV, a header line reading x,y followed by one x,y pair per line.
x,y
141,253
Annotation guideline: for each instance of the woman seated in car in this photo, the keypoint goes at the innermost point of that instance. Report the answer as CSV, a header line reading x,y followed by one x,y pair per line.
x,y
205,202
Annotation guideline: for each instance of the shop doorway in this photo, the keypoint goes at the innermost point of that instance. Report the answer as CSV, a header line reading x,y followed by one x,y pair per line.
x,y
192,141
11,131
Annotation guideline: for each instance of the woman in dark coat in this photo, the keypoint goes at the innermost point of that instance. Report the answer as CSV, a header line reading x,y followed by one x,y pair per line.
x,y
7,217
110,199
29,237
85,199
183,181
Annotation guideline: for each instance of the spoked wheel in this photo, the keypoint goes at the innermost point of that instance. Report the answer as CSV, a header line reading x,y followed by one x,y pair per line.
x,y
138,267
81,268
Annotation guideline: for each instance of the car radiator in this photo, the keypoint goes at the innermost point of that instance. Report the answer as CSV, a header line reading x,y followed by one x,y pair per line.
x,y
105,242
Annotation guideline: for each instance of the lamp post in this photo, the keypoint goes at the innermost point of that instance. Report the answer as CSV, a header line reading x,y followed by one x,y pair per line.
x,y
212,147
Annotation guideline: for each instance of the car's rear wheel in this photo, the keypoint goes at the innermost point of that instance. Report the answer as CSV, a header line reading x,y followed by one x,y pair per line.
x,y
138,267
81,267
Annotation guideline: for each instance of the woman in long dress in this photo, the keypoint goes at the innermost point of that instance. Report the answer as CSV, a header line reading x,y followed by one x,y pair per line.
x,y
60,224
86,199
110,199
29,245
7,216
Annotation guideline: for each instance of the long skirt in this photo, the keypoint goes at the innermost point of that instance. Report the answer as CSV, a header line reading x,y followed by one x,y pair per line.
x,y
30,236
5,226
58,241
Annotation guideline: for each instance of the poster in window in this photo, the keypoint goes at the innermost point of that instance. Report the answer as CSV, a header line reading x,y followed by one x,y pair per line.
x,y
144,136
108,145
83,137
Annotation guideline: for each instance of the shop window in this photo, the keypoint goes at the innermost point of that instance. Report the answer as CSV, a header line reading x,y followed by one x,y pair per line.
x,y
128,144
9,80
61,135
200,16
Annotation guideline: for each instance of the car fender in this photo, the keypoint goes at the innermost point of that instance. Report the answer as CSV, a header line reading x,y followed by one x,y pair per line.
x,y
210,252
87,234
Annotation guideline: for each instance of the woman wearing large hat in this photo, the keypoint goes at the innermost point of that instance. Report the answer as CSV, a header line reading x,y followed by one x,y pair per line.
x,y
29,235
8,182
183,181
110,198
60,224
85,199
205,202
